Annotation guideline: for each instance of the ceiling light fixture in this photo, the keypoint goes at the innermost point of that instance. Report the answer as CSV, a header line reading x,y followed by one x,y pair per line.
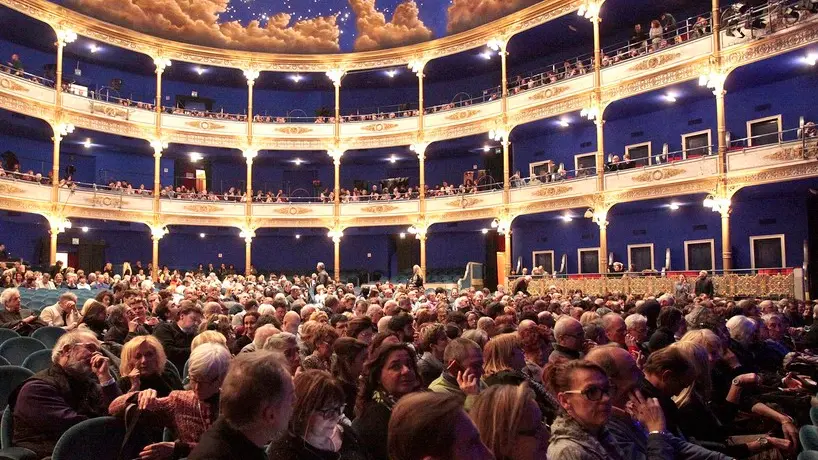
x,y
567,218
811,59
485,231
296,78
199,70
486,55
393,159
298,161
673,206
391,73
564,123
297,236
84,229
402,235
202,235
87,143
670,97
195,156
717,204
93,48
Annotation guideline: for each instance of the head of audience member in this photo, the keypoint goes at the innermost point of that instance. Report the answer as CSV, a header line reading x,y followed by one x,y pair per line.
x,y
433,339
476,336
701,384
249,322
306,313
350,355
417,415
776,326
286,345
74,352
535,342
668,371
510,422
402,326
257,396
637,327
375,312
623,373
672,319
390,370
361,328
615,328
503,353
742,330
10,298
189,318
208,337
487,324
583,392
262,334
318,407
463,357
142,357
569,334
322,340
67,302
340,323
207,368
291,322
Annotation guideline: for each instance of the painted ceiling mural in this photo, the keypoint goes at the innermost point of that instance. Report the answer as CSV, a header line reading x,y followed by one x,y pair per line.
x,y
298,26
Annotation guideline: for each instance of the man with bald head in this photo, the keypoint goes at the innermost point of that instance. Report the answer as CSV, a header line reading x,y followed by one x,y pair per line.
x,y
569,337
615,329
634,441
291,322
487,325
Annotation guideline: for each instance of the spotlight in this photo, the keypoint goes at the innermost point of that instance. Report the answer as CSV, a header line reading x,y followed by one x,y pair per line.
x,y
296,78
199,70
297,236
391,73
486,55
84,229
673,206
298,161
402,235
393,159
670,97
564,123
567,218
811,59
202,235
195,156
93,48
485,231
87,143
486,148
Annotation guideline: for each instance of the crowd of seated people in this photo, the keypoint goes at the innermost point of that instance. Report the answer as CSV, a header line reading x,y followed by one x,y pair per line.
x,y
304,367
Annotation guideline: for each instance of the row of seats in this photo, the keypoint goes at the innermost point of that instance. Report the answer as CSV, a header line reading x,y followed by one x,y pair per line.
x,y
37,299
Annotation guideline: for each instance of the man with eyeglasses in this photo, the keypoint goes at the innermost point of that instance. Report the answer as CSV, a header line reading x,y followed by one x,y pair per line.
x,y
570,340
76,387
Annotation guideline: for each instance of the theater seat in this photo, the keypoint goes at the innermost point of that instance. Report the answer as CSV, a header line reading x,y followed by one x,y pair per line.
x,y
38,361
48,335
6,334
10,378
17,349
98,438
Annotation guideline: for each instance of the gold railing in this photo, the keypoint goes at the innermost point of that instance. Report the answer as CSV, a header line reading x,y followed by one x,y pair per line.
x,y
728,285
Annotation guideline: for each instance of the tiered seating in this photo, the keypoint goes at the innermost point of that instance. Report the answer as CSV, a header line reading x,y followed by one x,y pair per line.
x,y
40,298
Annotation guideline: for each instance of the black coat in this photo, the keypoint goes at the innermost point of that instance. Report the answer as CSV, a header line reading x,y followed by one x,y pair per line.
x,y
373,426
223,442
291,447
175,341
704,286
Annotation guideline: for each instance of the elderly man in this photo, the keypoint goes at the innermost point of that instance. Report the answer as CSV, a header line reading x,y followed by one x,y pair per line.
x,y
637,326
63,314
375,313
290,323
615,329
487,324
77,386
259,338
463,367
323,276
12,318
570,338
255,405
634,442
704,285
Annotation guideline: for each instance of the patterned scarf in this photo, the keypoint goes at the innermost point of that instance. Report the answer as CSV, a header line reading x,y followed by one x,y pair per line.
x,y
385,399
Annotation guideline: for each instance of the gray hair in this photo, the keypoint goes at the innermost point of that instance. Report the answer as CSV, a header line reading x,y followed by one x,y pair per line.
x,y
209,361
477,336
635,320
280,342
741,329
484,322
70,339
6,295
263,333
68,296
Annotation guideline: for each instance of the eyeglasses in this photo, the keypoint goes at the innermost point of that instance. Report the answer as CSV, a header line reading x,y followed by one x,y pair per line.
x,y
332,412
593,393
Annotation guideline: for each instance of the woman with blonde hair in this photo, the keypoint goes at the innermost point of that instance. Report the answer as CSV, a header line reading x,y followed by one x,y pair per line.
x,y
144,365
208,337
588,317
510,422
504,364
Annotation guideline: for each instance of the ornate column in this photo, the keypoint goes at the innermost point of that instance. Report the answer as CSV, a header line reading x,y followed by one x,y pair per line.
x,y
57,224
500,45
249,155
251,75
592,12
417,66
420,231
157,146
336,234
64,37
720,202
336,155
503,226
600,218
336,75
60,131
420,149
248,235
157,232
726,249
161,63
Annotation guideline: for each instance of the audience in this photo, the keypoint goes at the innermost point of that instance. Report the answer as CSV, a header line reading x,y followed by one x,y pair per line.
x,y
510,422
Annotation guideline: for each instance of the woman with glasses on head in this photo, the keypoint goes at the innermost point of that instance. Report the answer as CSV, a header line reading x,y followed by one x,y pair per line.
x,y
584,395
315,432
189,413
510,422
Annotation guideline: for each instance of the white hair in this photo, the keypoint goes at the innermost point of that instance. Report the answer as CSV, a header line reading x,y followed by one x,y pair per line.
x,y
741,329
209,362
72,338
383,324
266,309
6,295
635,320
263,333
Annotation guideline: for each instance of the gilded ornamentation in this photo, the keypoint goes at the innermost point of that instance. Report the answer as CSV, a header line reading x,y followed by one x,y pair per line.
x,y
203,208
10,189
378,127
9,84
787,40
293,130
654,62
462,114
204,124
105,201
548,93
793,153
552,191
657,175
108,110
464,202
293,210
381,208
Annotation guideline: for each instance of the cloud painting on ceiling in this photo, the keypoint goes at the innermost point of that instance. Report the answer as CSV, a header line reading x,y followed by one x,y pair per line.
x,y
298,26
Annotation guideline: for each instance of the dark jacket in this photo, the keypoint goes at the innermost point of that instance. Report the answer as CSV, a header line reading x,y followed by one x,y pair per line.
x,y
548,406
323,278
416,281
429,368
175,341
291,447
663,337
704,286
223,442
14,321
668,406
52,401
163,383
372,425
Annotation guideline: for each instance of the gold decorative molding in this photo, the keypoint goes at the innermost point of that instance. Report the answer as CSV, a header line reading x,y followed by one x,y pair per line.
x,y
106,201
654,62
378,127
293,210
781,42
552,191
9,84
203,208
381,208
793,153
462,114
206,125
464,202
293,130
109,110
548,93
10,189
657,175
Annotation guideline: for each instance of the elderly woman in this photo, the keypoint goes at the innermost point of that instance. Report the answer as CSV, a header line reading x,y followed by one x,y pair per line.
x,y
777,337
321,340
389,374
742,334
510,422
504,364
584,395
315,430
536,344
190,412
286,344
144,365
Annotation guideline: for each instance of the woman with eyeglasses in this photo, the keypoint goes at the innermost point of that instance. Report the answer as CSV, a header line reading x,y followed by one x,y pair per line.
x,y
314,431
189,413
584,395
510,422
